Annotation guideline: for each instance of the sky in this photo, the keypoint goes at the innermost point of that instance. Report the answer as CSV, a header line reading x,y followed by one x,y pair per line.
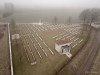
x,y
54,3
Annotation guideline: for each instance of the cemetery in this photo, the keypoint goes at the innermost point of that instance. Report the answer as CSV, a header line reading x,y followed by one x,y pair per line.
x,y
49,37
39,48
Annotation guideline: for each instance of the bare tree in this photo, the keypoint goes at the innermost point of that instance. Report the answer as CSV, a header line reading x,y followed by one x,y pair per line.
x,y
69,20
55,20
88,16
94,15
12,26
9,10
84,16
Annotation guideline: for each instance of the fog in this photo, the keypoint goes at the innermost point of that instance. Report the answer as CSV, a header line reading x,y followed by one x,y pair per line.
x,y
34,10
54,3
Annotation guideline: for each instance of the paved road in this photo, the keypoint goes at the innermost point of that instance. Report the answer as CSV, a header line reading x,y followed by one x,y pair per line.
x,y
80,56
4,55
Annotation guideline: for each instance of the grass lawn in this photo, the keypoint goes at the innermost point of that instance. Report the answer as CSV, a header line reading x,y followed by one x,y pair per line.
x,y
24,49
4,53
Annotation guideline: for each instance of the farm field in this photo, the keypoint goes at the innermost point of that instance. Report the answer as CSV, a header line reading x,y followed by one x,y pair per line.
x,y
34,53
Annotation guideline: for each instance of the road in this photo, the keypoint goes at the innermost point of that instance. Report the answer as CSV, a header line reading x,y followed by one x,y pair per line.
x,y
84,69
88,51
4,55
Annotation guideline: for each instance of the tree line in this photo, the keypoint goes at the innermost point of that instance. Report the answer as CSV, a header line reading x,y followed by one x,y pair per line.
x,y
89,16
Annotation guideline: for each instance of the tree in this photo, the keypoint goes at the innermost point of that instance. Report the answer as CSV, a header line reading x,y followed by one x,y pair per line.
x,y
89,16
84,16
94,15
12,26
9,10
55,20
69,20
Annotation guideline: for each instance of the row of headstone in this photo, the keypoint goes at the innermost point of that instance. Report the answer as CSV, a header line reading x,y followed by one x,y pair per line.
x,y
29,53
77,43
68,30
43,43
44,28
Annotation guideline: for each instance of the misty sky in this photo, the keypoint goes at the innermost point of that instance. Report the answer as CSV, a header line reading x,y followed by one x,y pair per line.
x,y
55,3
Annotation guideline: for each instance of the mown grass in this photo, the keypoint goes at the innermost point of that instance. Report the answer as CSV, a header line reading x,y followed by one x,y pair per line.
x,y
46,66
4,54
